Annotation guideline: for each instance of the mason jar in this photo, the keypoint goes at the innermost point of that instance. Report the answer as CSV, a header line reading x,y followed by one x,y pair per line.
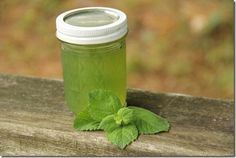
x,y
93,53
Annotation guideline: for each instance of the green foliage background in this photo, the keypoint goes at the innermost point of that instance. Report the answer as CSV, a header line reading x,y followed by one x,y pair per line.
x,y
183,46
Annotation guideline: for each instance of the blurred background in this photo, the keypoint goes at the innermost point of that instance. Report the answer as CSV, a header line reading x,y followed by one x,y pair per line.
x,y
183,46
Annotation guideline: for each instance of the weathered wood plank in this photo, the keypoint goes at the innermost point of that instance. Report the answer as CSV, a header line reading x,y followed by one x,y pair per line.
x,y
35,120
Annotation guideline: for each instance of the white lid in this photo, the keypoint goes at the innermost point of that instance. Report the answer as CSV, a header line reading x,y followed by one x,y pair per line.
x,y
92,25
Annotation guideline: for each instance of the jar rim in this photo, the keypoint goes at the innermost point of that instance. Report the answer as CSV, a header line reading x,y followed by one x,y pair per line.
x,y
92,34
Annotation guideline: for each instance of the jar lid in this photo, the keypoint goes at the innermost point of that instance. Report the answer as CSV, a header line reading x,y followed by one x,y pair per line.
x,y
91,25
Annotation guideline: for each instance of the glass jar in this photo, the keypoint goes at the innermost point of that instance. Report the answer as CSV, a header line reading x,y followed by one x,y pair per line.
x,y
93,53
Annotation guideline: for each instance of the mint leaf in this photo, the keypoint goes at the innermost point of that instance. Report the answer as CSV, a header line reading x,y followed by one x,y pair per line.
x,y
123,135
148,122
84,122
108,124
124,116
103,103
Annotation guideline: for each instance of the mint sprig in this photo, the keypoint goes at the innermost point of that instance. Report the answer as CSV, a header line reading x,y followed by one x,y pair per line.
x,y
121,124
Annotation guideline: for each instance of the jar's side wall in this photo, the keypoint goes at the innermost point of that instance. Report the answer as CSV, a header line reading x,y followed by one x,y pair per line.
x,y
96,48
97,67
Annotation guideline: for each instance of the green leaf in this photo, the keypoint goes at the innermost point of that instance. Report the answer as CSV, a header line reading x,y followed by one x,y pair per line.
x,y
84,122
124,116
123,135
108,124
103,103
148,122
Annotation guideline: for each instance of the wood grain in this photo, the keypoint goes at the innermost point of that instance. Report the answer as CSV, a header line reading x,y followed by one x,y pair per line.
x,y
35,120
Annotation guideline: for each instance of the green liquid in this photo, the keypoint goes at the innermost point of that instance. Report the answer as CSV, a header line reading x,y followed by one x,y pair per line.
x,y
86,68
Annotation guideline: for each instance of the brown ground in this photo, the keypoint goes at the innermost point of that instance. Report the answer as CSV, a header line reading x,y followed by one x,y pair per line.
x,y
183,46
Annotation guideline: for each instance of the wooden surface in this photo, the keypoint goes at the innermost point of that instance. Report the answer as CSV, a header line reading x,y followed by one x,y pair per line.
x,y
35,120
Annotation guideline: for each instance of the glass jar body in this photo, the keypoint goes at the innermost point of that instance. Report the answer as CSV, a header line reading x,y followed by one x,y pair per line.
x,y
91,67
